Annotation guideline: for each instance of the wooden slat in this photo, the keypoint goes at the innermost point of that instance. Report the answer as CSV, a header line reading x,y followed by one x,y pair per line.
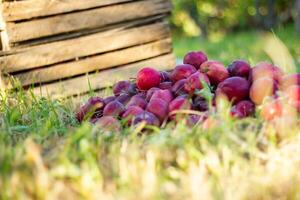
x,y
102,79
88,19
4,39
21,10
56,52
112,27
108,60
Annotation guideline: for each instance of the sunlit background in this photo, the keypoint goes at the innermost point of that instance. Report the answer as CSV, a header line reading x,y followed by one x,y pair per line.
x,y
46,154
230,29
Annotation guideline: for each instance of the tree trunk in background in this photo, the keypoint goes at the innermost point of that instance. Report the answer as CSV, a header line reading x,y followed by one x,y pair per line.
x,y
271,18
194,14
297,20
257,15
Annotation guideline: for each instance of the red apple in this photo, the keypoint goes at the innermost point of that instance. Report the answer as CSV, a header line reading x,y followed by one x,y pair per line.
x,y
194,82
266,70
147,117
235,89
239,68
195,58
261,89
182,72
289,80
148,78
108,123
243,109
215,71
165,95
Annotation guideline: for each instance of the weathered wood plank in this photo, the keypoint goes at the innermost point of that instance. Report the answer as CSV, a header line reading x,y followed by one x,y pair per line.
x,y
21,10
102,79
90,64
112,27
88,19
56,52
5,43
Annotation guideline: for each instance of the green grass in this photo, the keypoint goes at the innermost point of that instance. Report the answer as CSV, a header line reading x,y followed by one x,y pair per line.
x,y
46,154
248,45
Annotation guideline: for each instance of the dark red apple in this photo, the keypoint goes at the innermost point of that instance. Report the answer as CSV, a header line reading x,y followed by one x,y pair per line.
x,y
147,117
215,71
243,109
194,82
108,123
121,87
235,89
150,93
178,88
239,68
195,58
158,107
165,85
94,106
180,103
114,108
165,76
137,100
165,95
124,98
148,78
200,104
133,90
182,72
109,99
131,112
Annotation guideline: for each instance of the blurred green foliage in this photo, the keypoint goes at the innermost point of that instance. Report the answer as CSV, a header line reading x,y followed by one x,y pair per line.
x,y
248,45
209,17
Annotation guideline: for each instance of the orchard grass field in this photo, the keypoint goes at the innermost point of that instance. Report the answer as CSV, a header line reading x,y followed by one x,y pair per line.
x,y
46,154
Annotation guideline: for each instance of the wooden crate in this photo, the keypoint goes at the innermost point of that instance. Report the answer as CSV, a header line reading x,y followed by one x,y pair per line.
x,y
65,48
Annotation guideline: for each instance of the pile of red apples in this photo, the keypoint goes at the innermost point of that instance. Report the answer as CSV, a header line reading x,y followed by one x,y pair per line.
x,y
190,92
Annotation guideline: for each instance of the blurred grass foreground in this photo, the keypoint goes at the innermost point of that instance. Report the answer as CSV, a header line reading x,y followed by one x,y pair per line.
x,y
46,154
